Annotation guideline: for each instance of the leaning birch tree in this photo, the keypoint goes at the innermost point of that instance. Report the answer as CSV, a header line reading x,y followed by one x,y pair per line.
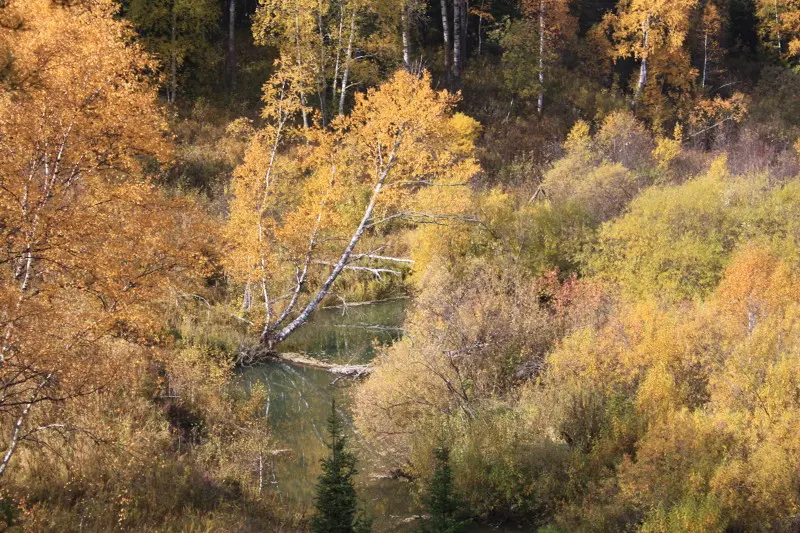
x,y
310,204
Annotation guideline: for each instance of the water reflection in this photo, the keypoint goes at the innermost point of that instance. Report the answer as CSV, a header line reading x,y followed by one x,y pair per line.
x,y
300,401
346,335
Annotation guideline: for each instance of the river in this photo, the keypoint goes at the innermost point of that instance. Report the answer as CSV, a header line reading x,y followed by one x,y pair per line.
x,y
300,402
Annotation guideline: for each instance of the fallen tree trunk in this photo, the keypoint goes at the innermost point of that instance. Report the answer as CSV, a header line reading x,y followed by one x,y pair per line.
x,y
361,304
249,358
342,370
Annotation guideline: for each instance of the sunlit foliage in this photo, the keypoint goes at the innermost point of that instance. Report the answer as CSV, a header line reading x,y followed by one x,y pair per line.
x,y
90,246
302,213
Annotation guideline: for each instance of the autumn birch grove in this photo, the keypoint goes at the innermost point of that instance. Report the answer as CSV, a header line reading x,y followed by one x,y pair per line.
x,y
340,266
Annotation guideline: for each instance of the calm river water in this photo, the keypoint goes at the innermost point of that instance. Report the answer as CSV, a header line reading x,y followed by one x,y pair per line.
x,y
300,401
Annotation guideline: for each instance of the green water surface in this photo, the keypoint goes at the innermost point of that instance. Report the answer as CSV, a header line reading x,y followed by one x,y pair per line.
x,y
300,402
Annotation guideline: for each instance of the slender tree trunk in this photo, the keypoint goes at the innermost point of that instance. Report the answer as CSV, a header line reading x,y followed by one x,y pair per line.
x,y
456,39
335,84
446,36
282,119
406,36
304,315
480,36
643,67
260,471
14,442
348,58
232,44
173,60
540,100
247,298
480,26
15,434
705,59
304,111
322,83
303,102
778,28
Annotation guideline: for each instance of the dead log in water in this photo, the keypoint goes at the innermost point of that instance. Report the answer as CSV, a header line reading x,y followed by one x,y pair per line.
x,y
340,370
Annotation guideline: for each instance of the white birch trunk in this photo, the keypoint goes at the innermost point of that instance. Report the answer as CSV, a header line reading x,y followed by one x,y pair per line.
x,y
335,85
480,37
348,58
406,37
705,59
540,100
322,82
340,265
303,102
446,36
643,67
15,434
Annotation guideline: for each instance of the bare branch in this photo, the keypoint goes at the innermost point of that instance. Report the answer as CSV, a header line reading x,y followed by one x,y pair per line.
x,y
357,257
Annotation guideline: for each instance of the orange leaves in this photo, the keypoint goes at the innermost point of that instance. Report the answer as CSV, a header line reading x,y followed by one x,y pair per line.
x,y
92,246
654,32
558,23
296,205
756,283
711,113
79,76
713,386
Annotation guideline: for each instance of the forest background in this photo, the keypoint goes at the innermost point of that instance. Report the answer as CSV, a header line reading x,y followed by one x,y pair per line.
x,y
593,204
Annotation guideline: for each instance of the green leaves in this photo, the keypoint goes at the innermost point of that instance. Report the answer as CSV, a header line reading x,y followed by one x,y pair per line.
x,y
336,501
441,503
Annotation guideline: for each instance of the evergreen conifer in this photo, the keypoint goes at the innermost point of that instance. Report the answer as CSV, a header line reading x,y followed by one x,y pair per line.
x,y
336,500
441,502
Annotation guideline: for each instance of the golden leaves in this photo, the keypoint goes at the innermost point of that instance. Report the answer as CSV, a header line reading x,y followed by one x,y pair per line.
x,y
93,247
302,201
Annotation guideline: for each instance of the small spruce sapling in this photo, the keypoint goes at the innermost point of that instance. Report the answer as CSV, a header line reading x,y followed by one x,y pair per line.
x,y
441,503
336,500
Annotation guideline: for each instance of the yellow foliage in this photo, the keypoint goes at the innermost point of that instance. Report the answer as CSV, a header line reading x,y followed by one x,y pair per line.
x,y
578,136
779,22
302,212
93,247
675,241
714,390
655,31
668,149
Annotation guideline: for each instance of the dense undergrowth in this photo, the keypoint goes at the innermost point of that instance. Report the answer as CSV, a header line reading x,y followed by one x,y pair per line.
x,y
604,328
618,354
